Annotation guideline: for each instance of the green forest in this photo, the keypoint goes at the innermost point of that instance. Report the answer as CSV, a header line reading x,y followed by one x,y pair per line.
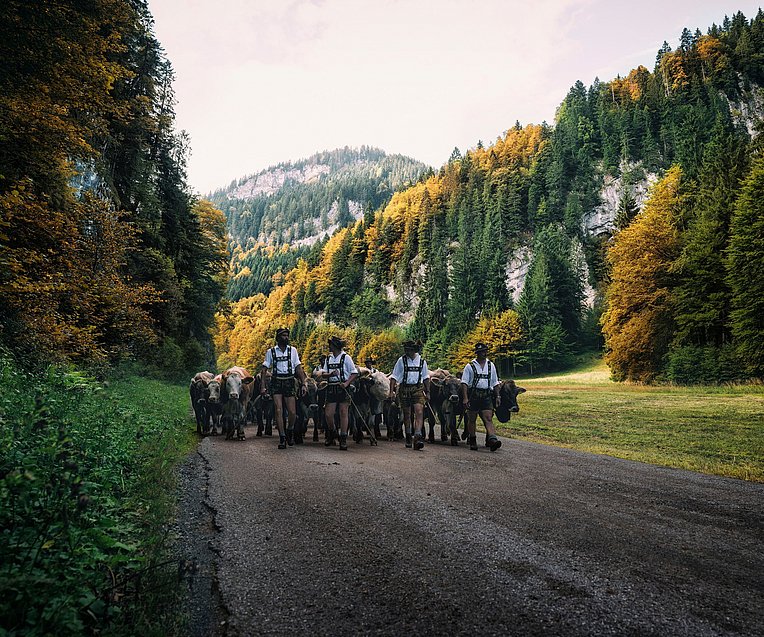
x,y
106,254
111,272
670,289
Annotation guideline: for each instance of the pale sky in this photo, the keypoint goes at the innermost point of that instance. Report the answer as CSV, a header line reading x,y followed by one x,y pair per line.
x,y
260,82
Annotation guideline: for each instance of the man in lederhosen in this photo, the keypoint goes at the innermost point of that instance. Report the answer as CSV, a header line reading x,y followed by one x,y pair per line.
x,y
480,392
285,364
339,370
410,381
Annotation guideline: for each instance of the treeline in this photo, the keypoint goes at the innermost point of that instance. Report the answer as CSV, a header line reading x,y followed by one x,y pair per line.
x,y
106,255
435,259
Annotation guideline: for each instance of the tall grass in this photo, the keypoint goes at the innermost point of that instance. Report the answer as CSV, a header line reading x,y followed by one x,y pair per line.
x,y
712,429
86,494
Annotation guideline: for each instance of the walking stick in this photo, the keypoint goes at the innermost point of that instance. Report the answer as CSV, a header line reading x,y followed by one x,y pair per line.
x,y
360,417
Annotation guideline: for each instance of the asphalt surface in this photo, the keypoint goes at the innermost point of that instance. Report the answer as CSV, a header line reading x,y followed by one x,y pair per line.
x,y
529,540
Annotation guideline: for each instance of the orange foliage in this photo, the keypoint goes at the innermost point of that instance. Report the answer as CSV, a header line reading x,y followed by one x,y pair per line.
x,y
64,292
637,324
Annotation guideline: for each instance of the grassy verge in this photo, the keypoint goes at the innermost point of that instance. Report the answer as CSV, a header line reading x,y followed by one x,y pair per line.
x,y
716,430
87,491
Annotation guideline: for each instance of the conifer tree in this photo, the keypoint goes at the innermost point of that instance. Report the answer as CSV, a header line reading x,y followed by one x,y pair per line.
x,y
745,257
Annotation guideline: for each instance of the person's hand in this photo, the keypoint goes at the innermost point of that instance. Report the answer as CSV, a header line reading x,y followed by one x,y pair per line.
x,y
466,403
498,400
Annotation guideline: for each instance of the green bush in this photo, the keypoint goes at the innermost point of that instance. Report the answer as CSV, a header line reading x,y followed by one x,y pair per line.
x,y
84,494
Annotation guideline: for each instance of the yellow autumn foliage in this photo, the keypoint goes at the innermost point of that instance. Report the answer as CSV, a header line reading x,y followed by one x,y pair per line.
x,y
502,334
637,324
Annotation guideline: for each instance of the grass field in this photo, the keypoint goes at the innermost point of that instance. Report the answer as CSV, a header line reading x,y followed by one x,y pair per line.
x,y
716,430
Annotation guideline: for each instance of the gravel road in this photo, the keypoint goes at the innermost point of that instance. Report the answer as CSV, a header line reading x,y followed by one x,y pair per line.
x,y
529,540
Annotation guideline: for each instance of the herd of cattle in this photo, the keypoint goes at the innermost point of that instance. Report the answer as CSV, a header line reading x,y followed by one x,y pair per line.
x,y
225,403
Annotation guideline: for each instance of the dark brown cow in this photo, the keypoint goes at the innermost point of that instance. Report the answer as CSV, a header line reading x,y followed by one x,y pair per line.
x,y
445,399
197,391
508,393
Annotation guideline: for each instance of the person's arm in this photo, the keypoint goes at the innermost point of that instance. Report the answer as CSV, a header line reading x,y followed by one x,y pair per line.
x,y
396,377
351,371
466,380
264,380
496,386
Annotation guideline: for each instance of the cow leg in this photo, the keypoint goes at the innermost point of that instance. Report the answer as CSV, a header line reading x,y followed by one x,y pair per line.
x,y
444,424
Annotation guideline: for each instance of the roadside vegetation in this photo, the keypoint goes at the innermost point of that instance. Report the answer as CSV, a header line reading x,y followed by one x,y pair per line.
x,y
87,495
712,429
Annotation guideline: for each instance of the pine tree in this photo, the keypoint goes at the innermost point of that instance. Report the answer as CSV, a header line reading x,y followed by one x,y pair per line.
x,y
745,278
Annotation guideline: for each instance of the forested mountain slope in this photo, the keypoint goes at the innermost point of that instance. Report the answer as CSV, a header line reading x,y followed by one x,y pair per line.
x,y
299,204
104,252
528,241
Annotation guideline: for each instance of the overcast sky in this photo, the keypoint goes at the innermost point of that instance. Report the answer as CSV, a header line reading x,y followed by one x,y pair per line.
x,y
265,81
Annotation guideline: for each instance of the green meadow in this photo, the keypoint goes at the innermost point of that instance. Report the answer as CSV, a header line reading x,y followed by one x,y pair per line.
x,y
712,429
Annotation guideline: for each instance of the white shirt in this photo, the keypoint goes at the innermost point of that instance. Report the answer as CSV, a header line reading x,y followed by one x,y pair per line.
x,y
483,383
282,366
348,368
413,377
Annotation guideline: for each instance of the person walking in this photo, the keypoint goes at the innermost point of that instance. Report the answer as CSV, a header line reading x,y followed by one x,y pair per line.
x,y
480,392
411,383
340,371
284,364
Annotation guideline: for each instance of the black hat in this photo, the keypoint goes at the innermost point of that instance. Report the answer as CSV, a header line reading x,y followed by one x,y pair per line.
x,y
410,345
336,341
481,347
282,330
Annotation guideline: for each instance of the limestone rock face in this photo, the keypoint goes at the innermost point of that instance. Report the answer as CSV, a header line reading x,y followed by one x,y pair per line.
x,y
271,181
601,220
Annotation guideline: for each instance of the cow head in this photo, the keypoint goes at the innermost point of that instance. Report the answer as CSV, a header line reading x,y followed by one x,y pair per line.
x,y
213,391
233,383
508,392
310,397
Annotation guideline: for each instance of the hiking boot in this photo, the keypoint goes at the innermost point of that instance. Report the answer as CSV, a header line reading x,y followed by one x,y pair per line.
x,y
343,442
418,442
290,437
493,443
473,443
329,438
282,442
408,441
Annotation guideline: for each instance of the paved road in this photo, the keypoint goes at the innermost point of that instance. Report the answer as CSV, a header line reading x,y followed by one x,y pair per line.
x,y
530,540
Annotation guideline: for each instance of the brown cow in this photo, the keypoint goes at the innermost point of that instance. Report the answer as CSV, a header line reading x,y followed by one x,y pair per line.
x,y
236,391
197,390
445,400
